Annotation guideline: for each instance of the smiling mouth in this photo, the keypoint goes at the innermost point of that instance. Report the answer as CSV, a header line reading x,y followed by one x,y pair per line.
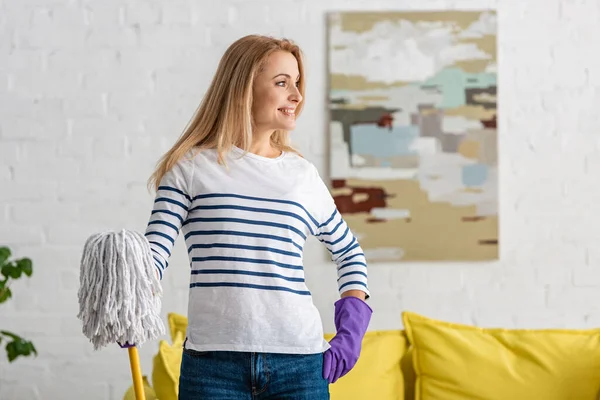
x,y
288,112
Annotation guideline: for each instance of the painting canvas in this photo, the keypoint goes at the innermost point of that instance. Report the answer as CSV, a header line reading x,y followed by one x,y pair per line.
x,y
413,133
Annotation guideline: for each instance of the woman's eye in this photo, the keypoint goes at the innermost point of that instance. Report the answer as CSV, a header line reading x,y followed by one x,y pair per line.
x,y
280,83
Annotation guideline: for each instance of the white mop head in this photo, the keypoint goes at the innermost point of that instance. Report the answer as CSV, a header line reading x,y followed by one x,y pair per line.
x,y
119,292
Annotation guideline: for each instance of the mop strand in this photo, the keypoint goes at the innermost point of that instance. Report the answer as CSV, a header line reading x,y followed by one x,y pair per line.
x,y
119,290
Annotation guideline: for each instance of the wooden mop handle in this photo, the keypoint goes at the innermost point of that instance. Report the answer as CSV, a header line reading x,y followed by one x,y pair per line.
x,y
136,373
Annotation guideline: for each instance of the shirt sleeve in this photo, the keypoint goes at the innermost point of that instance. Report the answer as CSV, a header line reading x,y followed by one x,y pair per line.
x,y
338,238
170,210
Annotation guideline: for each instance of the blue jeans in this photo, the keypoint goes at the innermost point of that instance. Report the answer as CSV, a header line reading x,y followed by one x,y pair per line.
x,y
224,375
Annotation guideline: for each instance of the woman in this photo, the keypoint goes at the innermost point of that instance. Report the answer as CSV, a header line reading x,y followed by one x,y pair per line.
x,y
246,202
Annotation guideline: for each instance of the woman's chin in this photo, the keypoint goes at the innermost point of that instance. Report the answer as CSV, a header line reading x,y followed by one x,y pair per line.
x,y
285,127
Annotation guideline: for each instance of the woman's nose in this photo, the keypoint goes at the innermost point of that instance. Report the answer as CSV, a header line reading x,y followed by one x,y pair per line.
x,y
296,96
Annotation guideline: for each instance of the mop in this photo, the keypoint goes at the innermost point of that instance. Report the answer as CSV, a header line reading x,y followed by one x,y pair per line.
x,y
119,295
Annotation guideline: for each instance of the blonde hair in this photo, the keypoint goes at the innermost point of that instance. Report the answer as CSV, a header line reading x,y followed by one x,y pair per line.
x,y
224,117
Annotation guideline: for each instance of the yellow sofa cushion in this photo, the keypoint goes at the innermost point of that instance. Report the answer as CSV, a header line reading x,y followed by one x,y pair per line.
x,y
378,373
454,361
408,372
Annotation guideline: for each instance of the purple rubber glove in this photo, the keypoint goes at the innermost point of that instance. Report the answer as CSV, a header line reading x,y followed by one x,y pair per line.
x,y
352,316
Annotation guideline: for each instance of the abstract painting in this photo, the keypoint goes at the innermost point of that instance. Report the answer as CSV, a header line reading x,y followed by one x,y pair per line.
x,y
412,132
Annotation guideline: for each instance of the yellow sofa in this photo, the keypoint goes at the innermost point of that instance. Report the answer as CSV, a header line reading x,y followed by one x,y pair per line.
x,y
436,360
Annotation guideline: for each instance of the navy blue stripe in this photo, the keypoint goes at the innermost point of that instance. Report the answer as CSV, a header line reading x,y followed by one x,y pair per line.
x,y
161,246
238,272
243,247
334,229
158,261
347,248
169,200
247,285
239,196
160,222
158,254
356,245
172,189
352,263
330,219
353,273
248,260
352,256
248,221
179,217
353,283
169,238
338,240
254,209
249,234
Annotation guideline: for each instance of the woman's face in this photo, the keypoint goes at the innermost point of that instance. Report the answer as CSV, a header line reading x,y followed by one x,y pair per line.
x,y
276,93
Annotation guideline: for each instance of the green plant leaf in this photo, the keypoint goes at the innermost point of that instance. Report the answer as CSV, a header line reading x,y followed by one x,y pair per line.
x,y
4,255
10,335
25,265
5,294
19,347
11,270
11,351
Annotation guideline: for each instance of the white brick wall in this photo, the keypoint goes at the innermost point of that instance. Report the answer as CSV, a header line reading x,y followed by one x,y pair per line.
x,y
91,93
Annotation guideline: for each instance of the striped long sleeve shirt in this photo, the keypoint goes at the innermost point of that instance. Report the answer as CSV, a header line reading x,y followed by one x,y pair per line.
x,y
245,226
